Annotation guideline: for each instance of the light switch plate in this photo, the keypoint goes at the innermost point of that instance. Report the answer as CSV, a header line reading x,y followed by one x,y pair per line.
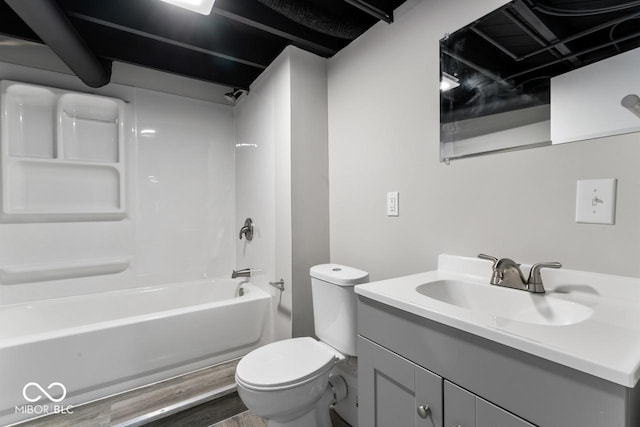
x,y
596,201
393,208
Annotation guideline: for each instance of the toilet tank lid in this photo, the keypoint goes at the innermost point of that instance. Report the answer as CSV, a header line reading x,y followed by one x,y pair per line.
x,y
339,274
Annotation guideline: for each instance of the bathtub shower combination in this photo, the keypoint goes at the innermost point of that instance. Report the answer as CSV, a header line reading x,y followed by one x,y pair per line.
x,y
100,344
67,171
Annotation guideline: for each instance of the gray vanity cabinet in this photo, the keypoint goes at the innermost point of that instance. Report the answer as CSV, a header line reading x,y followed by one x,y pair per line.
x,y
407,361
395,392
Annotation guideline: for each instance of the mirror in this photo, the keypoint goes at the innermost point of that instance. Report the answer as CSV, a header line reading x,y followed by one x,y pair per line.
x,y
534,73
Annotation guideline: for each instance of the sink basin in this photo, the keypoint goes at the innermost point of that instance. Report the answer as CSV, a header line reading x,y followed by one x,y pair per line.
x,y
510,304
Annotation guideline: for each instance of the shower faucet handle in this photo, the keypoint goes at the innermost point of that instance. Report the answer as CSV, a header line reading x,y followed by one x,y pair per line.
x,y
247,230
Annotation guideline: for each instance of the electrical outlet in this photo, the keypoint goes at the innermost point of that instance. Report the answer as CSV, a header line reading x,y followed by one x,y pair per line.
x,y
393,208
596,201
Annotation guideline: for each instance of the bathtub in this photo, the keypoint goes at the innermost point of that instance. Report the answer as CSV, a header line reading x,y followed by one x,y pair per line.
x,y
100,344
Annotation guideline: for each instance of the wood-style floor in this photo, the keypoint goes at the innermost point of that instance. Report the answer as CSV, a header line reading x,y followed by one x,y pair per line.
x,y
247,419
162,405
208,414
135,407
228,411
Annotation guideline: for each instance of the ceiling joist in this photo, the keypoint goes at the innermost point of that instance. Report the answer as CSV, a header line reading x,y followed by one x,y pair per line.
x,y
230,47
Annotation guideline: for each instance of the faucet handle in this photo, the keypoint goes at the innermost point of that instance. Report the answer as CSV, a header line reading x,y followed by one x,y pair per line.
x,y
534,275
489,258
496,277
535,279
247,229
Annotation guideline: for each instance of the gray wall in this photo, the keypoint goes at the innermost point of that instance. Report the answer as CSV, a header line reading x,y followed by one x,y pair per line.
x,y
384,136
309,181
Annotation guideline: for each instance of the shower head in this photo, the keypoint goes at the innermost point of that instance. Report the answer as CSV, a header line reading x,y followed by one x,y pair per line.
x,y
632,103
233,96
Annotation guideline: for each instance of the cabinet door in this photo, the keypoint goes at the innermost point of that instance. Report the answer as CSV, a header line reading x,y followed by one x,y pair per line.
x,y
489,415
465,409
459,406
391,389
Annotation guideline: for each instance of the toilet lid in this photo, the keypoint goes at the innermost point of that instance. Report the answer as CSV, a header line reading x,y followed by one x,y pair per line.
x,y
284,362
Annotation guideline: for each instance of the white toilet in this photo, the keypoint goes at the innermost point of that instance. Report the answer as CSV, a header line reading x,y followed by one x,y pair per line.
x,y
292,383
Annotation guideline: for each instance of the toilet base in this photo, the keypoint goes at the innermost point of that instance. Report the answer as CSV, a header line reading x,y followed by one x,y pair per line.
x,y
317,416
348,407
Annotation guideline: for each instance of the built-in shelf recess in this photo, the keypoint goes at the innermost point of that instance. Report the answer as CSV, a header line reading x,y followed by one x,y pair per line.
x,y
62,155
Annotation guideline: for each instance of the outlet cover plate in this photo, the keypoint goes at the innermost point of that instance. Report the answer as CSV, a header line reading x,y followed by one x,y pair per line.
x,y
596,201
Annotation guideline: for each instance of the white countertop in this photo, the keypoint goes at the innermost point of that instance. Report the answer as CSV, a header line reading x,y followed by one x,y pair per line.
x,y
605,345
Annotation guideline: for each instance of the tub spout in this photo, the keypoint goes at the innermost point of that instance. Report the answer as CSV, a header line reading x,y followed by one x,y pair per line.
x,y
245,272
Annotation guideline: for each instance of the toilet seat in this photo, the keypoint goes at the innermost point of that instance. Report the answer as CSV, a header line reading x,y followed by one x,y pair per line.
x,y
285,364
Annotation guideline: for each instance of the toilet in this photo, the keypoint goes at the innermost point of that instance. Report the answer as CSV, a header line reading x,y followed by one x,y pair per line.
x,y
292,383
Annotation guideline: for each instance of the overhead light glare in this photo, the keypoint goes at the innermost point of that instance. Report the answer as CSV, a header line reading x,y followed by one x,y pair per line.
x,y
199,6
448,82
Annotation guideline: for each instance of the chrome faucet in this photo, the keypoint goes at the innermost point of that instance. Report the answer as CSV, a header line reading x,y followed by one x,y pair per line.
x,y
245,272
507,273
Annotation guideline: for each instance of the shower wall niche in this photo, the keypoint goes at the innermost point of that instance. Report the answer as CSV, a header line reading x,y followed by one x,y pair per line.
x,y
62,155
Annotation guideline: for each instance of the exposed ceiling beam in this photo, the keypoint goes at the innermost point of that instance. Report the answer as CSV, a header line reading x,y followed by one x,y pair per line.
x,y
270,22
150,53
46,19
212,33
164,39
597,47
545,32
367,7
230,47
605,25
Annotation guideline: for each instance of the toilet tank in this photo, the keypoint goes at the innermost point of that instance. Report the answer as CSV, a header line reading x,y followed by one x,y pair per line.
x,y
334,304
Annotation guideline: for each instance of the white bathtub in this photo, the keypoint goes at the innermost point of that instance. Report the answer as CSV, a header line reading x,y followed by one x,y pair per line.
x,y
100,344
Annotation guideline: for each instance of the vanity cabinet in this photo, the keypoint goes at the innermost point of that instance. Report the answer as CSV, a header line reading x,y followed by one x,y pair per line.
x,y
405,361
396,392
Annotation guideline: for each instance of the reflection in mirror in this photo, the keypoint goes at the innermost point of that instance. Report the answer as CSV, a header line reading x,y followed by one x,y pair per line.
x,y
498,73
